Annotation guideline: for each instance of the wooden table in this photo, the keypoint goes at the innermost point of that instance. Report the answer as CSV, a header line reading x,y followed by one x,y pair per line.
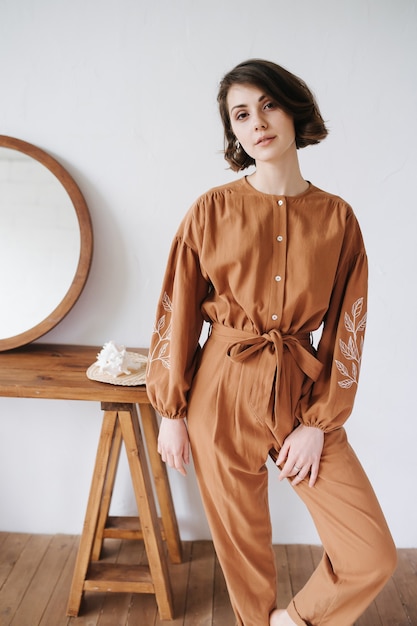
x,y
59,372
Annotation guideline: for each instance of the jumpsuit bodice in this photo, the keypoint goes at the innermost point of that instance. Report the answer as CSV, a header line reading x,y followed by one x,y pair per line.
x,y
278,270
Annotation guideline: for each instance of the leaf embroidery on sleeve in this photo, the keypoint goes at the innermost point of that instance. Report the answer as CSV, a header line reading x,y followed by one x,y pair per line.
x,y
353,349
161,350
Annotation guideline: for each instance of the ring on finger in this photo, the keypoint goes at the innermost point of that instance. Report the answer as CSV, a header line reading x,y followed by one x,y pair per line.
x,y
298,469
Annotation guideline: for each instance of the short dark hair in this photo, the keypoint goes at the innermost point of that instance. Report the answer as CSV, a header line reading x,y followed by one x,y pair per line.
x,y
291,94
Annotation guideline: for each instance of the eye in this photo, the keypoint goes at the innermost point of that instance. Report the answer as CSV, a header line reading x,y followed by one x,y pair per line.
x,y
241,115
270,105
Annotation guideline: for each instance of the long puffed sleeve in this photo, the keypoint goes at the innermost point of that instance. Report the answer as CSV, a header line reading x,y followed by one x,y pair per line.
x,y
174,346
331,398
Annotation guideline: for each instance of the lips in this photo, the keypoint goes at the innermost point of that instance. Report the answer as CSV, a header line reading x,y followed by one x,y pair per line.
x,y
264,140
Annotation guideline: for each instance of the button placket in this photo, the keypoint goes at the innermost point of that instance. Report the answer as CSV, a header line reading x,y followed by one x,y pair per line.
x,y
278,261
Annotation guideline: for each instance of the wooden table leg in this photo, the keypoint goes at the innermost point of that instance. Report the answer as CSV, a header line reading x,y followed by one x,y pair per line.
x,y
163,490
142,485
121,423
107,492
93,507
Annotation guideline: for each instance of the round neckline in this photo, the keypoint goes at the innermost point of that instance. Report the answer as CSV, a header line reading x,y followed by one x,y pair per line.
x,y
274,195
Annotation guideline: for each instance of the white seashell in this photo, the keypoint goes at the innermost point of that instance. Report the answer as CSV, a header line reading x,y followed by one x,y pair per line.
x,y
114,359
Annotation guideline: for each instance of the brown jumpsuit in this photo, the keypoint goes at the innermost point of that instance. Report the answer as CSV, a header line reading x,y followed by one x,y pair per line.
x,y
266,271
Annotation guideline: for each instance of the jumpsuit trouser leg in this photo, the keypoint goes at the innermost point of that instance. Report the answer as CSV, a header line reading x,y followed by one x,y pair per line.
x,y
359,553
229,451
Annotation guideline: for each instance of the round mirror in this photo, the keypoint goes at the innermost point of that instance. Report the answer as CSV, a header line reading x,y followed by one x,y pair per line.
x,y
46,242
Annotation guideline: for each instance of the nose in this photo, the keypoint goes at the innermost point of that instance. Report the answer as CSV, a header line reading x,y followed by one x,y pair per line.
x,y
259,122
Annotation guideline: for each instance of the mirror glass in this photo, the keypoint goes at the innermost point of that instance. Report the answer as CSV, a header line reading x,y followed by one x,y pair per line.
x,y
45,242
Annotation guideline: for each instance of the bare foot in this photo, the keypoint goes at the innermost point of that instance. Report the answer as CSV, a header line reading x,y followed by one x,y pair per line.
x,y
279,617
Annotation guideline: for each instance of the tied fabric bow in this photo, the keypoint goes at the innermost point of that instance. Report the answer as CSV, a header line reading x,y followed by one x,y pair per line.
x,y
271,347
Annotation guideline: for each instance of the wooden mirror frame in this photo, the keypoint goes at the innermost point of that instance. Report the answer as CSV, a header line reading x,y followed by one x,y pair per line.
x,y
86,243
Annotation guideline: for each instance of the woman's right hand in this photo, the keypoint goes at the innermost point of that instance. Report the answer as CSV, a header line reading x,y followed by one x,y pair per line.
x,y
173,443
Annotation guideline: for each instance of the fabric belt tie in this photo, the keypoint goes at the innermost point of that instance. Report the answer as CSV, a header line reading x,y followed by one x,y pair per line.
x,y
270,347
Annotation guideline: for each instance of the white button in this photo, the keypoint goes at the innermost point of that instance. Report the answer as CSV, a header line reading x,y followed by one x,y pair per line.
x,y
280,202
274,317
277,278
280,238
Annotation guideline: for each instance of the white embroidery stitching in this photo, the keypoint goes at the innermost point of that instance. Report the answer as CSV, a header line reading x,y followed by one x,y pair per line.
x,y
351,351
164,337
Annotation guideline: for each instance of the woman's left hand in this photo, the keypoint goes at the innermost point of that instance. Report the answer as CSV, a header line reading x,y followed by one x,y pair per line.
x,y
301,454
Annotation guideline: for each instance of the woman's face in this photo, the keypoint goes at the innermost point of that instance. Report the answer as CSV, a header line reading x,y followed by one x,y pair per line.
x,y
265,131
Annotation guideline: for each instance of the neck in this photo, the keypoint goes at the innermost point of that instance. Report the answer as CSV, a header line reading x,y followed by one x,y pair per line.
x,y
279,181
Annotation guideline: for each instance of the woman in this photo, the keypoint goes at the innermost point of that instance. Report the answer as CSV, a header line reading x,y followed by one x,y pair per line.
x,y
267,260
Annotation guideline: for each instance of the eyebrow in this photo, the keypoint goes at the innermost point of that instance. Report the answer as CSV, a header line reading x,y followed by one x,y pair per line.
x,y
240,106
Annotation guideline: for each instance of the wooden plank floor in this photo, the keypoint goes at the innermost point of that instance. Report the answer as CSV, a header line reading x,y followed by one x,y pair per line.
x,y
36,572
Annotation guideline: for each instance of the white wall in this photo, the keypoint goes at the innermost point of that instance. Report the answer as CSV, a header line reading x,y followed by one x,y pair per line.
x,y
122,92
